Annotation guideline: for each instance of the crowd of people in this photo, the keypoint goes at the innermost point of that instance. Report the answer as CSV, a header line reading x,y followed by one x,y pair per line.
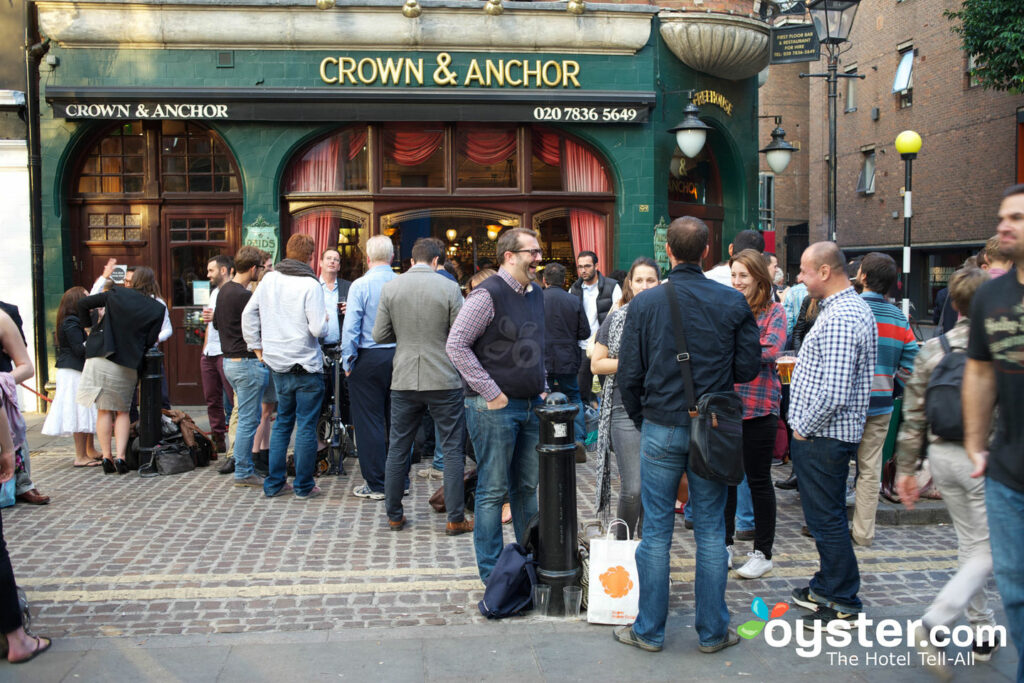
x,y
417,354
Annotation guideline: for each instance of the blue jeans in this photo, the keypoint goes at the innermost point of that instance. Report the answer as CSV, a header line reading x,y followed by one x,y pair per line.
x,y
744,507
298,405
822,466
505,442
664,452
248,377
1006,527
569,384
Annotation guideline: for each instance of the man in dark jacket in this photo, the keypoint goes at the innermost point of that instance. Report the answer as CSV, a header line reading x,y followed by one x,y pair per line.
x,y
565,326
724,347
597,294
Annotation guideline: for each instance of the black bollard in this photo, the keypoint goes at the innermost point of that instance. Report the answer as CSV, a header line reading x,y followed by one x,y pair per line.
x,y
557,561
150,403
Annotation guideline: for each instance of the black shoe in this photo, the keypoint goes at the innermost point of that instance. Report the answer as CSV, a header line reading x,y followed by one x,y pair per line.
x,y
983,651
787,484
688,523
804,531
122,466
228,467
804,598
261,462
108,466
825,615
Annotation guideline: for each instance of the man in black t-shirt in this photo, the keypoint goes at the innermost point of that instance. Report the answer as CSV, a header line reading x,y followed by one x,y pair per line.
x,y
995,375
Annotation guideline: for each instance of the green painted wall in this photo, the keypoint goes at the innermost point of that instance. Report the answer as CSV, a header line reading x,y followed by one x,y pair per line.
x,y
639,155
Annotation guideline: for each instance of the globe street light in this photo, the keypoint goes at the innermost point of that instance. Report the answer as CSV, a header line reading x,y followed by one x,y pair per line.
x,y
778,152
691,132
833,20
908,144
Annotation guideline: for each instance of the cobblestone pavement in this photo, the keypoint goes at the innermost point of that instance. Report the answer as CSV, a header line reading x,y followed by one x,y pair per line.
x,y
191,554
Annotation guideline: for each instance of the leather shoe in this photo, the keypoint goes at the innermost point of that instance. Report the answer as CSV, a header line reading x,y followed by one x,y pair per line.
x,y
219,446
456,528
787,484
33,497
228,467
397,526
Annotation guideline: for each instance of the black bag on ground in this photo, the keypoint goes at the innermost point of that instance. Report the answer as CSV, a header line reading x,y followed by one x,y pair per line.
x,y
510,585
942,406
173,457
716,418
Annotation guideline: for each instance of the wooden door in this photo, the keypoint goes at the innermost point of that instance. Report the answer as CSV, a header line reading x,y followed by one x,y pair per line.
x,y
105,231
191,237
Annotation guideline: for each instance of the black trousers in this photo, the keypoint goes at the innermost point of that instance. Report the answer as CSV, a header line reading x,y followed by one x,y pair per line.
x,y
369,390
10,609
758,446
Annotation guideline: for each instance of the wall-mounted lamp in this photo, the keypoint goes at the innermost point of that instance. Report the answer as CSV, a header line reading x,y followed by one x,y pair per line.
x,y
691,132
492,232
778,152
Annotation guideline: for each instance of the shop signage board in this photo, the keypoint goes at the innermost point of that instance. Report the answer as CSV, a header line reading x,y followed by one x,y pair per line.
x,y
262,235
791,44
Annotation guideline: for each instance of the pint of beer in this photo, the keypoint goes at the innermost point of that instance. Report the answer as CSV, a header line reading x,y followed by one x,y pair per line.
x,y
785,366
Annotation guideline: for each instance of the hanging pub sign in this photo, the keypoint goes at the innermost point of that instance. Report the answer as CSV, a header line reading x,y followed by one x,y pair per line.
x,y
791,44
262,235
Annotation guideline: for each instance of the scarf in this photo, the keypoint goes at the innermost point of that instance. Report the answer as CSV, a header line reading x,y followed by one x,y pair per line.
x,y
9,396
616,320
295,268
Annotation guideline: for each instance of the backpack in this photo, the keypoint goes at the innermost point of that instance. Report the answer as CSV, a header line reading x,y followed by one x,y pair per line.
x,y
510,585
942,405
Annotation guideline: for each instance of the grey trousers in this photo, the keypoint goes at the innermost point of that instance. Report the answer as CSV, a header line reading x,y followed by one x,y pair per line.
x,y
625,441
23,480
965,498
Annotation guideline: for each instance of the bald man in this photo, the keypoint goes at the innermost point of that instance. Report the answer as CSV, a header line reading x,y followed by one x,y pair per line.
x,y
828,406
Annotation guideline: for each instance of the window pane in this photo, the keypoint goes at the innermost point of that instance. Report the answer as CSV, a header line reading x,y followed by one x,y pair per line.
x,y
903,71
115,234
133,184
546,172
174,183
486,157
414,156
97,235
87,184
172,127
133,164
199,165
334,164
200,146
174,164
111,165
134,145
188,264
114,219
200,183
111,145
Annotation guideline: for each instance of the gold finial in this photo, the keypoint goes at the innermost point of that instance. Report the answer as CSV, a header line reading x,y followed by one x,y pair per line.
x,y
575,7
325,4
493,8
411,9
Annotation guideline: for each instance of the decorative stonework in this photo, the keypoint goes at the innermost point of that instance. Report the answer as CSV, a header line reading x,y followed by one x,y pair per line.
x,y
721,45
364,25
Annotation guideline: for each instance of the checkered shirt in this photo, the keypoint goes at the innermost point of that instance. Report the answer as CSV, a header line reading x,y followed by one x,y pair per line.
x,y
761,395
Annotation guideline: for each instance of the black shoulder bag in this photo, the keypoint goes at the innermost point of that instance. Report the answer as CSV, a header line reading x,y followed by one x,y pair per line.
x,y
716,418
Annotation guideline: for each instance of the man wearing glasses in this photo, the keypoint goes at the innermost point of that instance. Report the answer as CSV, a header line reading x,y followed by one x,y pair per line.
x,y
497,345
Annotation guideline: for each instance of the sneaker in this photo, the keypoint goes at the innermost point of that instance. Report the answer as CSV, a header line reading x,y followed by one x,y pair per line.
x,y
787,484
251,480
778,462
806,599
365,491
756,567
313,493
730,552
825,615
930,655
983,651
625,635
430,473
744,535
228,467
285,488
405,492
456,528
730,639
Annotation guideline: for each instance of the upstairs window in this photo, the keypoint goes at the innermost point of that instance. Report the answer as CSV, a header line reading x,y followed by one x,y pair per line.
x,y
903,84
766,202
866,182
851,89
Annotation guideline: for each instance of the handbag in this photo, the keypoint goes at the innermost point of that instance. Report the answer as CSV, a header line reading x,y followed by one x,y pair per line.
x,y
436,500
7,497
173,458
716,418
613,592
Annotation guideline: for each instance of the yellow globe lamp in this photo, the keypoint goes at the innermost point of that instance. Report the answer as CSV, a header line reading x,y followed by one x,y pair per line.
x,y
908,144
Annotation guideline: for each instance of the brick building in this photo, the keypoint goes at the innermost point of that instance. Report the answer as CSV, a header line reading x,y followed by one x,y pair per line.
x,y
971,152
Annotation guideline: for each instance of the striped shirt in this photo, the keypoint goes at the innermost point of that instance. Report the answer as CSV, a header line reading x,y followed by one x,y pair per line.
x,y
761,395
897,347
832,379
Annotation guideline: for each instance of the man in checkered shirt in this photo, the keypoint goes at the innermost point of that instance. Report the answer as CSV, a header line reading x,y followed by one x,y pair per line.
x,y
828,406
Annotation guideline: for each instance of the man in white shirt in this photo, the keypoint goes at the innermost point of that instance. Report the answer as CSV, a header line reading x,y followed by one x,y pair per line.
x,y
745,239
598,295
282,324
215,385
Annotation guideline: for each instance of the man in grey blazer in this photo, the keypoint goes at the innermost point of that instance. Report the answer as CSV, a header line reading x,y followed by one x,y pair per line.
x,y
416,311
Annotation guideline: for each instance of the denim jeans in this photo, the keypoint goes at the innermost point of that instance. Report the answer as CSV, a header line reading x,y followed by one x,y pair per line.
x,y
505,442
664,452
822,466
569,384
248,377
407,409
432,439
1006,512
298,405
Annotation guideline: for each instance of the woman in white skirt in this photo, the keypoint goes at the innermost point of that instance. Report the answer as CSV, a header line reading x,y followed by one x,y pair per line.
x,y
66,417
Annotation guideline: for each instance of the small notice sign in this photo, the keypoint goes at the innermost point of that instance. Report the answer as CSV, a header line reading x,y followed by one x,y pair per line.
x,y
795,44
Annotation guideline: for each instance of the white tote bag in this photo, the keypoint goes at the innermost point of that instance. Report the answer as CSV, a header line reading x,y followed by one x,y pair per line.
x,y
613,596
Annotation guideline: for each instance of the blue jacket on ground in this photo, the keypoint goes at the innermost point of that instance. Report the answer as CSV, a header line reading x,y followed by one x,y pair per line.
x,y
721,336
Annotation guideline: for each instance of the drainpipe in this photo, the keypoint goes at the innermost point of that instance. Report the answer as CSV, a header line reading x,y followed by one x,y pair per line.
x,y
34,51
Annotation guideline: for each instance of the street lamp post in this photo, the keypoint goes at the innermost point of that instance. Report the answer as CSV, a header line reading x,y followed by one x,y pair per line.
x,y
908,144
833,20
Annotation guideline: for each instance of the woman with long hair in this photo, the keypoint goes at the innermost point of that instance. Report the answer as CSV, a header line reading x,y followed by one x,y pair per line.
x,y
132,323
761,398
615,430
65,417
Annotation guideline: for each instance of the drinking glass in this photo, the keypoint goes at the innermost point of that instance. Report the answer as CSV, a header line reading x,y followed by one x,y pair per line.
x,y
541,599
573,597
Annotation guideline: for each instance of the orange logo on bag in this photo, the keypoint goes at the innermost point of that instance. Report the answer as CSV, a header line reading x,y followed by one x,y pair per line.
x,y
616,582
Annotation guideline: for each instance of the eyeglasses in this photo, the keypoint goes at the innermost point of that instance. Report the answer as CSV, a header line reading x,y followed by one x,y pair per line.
x,y
531,252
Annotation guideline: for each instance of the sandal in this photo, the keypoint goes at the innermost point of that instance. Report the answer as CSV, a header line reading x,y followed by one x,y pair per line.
x,y
40,649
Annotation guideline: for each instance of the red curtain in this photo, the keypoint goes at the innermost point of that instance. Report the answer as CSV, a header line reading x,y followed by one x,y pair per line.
x,y
546,147
324,229
582,172
412,147
317,170
356,142
488,147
